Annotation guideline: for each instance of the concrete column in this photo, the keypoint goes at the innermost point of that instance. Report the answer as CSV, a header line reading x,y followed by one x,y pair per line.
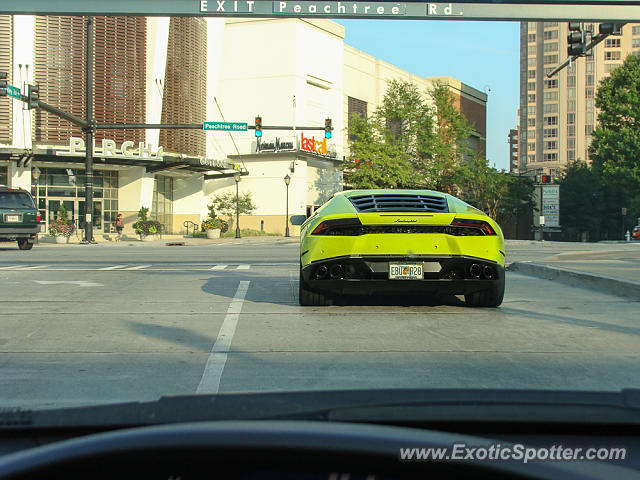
x,y
19,177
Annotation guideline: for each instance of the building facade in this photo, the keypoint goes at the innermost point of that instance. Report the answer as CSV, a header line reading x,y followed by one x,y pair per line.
x,y
188,71
558,114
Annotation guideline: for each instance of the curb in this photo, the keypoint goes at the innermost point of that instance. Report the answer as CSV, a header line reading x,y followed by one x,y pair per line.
x,y
574,278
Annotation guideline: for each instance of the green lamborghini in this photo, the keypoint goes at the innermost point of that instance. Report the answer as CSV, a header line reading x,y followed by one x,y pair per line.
x,y
372,242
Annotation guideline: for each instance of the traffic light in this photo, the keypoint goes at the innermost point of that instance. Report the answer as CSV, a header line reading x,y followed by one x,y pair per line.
x,y
575,40
546,179
258,127
610,29
3,84
33,96
327,128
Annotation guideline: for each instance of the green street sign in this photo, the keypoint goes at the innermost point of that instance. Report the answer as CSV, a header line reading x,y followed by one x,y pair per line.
x,y
13,92
225,126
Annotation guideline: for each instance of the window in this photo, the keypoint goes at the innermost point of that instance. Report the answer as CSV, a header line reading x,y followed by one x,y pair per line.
x,y
531,122
571,155
550,35
589,67
531,37
550,157
531,50
571,142
612,43
532,111
551,120
571,81
571,69
571,105
588,129
635,43
552,145
162,202
588,93
531,158
571,131
635,30
547,70
532,25
531,74
532,147
550,47
550,59
531,86
612,55
532,135
531,61
550,133
550,24
589,103
610,67
571,118
531,98
551,83
550,108
588,118
571,93
550,96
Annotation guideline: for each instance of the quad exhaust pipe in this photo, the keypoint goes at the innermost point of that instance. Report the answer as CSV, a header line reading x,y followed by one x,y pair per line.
x,y
322,272
475,270
336,271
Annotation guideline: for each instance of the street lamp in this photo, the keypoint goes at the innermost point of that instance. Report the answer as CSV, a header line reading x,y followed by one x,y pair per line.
x,y
287,181
236,177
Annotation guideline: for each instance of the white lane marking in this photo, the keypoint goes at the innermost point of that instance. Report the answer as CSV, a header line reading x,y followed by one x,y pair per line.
x,y
80,283
137,267
113,267
35,267
243,267
219,267
10,267
210,382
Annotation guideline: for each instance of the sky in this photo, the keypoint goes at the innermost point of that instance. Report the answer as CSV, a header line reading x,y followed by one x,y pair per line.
x,y
484,55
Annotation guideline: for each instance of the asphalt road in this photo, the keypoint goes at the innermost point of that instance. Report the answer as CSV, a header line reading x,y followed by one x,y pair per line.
x,y
84,324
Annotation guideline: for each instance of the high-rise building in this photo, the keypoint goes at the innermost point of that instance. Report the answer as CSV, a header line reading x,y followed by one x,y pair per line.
x,y
558,114
514,157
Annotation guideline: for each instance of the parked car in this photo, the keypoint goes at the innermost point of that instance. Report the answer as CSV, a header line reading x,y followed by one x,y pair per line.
x,y
19,217
635,233
400,242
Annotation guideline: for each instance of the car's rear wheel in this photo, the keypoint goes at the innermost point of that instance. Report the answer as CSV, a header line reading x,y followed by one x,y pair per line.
x,y
309,298
491,297
24,244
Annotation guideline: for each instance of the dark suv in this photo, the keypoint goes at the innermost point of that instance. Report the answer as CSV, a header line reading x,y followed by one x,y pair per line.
x,y
19,217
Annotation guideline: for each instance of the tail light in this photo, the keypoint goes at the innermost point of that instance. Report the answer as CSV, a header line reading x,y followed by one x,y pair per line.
x,y
339,227
38,218
483,226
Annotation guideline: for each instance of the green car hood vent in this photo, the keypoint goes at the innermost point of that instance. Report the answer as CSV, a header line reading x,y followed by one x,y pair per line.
x,y
399,203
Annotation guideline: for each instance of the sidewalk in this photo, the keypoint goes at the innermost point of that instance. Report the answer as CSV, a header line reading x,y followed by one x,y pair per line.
x,y
616,271
169,239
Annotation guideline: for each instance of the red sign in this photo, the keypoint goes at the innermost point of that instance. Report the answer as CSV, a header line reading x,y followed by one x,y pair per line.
x,y
313,145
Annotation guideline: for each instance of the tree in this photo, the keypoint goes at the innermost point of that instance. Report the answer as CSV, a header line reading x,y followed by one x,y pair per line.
x,y
481,185
615,149
225,203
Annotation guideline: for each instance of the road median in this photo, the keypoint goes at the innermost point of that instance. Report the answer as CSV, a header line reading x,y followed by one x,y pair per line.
x,y
575,278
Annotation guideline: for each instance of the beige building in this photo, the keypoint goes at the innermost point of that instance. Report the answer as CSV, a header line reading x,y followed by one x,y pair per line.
x,y
558,114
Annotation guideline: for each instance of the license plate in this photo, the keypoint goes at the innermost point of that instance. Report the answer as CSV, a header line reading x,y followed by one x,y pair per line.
x,y
12,218
405,271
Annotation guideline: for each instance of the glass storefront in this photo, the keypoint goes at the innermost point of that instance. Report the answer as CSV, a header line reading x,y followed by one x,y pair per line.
x,y
4,175
162,206
65,186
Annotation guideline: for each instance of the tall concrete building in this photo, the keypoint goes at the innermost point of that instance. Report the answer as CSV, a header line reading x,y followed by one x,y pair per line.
x,y
558,114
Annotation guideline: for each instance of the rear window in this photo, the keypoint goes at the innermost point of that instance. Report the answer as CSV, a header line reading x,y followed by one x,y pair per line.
x,y
15,200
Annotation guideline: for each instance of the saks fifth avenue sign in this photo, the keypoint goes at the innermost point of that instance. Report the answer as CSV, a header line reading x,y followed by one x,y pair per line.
x,y
109,149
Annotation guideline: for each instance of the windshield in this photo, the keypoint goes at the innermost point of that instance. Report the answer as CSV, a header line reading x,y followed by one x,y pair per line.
x,y
341,201
15,200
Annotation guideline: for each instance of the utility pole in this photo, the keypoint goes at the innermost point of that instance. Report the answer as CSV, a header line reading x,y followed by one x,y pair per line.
x,y
88,131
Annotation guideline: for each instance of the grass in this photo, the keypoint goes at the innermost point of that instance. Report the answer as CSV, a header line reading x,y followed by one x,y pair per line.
x,y
248,232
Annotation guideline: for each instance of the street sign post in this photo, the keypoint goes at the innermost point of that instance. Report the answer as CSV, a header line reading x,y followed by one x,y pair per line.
x,y
225,126
551,205
14,92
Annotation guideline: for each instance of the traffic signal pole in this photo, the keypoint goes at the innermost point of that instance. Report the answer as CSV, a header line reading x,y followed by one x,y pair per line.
x,y
88,131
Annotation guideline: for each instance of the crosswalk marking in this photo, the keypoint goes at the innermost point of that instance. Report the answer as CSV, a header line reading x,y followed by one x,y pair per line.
x,y
35,267
113,267
141,267
10,267
137,267
219,267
